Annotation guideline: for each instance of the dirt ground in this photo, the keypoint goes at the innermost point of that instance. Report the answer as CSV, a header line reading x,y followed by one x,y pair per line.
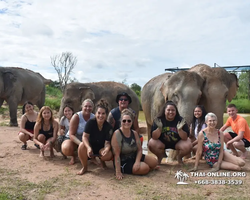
x,y
26,176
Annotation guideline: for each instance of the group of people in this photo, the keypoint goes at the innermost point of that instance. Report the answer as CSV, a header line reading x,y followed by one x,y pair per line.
x,y
103,135
115,136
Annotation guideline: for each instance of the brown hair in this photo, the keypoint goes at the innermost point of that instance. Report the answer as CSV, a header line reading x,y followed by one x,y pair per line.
x,y
40,116
128,112
103,104
231,105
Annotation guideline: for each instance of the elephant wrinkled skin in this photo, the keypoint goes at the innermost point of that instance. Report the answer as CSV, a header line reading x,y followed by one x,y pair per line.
x,y
219,86
18,85
76,93
183,88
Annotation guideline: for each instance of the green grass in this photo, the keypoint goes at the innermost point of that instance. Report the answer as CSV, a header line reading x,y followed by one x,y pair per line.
x,y
243,105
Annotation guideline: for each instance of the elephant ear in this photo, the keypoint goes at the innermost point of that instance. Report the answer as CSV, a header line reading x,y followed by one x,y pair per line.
x,y
164,91
232,90
86,93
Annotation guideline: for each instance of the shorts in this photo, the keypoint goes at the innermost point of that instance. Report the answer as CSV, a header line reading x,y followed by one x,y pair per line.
x,y
246,142
169,145
31,131
127,165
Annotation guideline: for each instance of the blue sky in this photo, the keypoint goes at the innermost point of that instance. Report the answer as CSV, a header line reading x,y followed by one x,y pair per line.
x,y
124,40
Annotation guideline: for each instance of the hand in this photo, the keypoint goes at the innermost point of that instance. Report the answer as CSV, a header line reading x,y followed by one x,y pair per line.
x,y
136,166
193,169
180,124
104,152
119,175
158,123
42,146
89,152
215,169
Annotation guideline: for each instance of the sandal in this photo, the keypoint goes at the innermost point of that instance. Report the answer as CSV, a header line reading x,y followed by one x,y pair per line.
x,y
24,147
37,146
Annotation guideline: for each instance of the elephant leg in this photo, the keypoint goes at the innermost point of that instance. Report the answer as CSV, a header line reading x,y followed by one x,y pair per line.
x,y
148,130
41,101
1,102
13,112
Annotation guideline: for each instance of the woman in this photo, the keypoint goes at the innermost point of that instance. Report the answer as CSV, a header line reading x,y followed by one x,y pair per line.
x,y
64,127
127,149
211,143
197,125
76,129
45,130
28,121
96,138
169,131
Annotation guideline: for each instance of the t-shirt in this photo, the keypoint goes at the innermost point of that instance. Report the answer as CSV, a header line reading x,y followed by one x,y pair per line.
x,y
169,134
196,132
65,122
98,137
239,124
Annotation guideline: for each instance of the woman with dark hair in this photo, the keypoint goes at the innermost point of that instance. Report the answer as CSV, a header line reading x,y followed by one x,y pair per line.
x,y
45,130
197,125
169,131
96,138
28,121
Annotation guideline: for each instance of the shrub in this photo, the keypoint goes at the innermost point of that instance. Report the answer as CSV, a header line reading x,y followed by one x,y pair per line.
x,y
243,105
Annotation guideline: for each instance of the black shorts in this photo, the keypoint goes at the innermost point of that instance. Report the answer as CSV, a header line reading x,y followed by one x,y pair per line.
x,y
169,145
127,165
246,142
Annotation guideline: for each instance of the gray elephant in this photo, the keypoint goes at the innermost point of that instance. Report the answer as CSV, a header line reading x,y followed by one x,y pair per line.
x,y
219,86
183,88
18,85
76,93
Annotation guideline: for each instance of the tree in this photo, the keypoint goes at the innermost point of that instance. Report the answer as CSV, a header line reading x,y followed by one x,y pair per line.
x,y
136,88
63,64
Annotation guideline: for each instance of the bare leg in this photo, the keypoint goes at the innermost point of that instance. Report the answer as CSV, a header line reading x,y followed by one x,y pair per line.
x,y
144,169
68,149
151,162
228,137
240,145
82,153
184,147
157,148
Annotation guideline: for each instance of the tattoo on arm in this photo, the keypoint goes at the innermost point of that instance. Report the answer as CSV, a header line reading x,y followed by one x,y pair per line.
x,y
111,119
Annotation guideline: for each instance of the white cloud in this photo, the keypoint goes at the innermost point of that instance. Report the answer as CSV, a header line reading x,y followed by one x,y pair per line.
x,y
118,40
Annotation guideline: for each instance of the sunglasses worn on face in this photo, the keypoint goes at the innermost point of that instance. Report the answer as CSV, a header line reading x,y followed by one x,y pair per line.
x,y
121,99
126,120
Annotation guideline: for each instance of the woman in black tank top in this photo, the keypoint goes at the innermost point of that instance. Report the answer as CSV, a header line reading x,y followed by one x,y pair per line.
x,y
127,148
27,124
45,131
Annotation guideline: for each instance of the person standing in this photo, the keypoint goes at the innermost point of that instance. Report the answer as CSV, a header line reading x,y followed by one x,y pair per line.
x,y
240,137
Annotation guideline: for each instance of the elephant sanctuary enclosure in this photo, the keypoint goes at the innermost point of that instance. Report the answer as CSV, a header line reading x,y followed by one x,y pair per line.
x,y
26,176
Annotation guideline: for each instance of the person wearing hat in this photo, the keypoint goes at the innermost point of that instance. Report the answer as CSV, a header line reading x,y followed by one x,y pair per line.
x,y
123,100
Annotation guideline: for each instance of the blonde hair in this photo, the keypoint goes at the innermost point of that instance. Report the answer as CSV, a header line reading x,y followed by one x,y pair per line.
x,y
129,113
88,101
40,118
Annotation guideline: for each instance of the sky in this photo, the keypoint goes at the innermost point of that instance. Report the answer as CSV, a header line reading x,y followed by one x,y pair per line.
x,y
127,41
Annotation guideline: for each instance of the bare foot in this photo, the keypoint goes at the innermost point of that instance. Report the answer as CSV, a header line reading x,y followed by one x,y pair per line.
x,y
82,171
52,155
72,161
94,161
164,155
103,165
244,155
41,154
157,167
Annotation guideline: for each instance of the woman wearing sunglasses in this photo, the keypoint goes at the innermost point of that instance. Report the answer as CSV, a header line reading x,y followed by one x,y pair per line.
x,y
127,149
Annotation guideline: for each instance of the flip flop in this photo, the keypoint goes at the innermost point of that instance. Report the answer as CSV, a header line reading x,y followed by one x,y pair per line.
x,y
24,147
37,146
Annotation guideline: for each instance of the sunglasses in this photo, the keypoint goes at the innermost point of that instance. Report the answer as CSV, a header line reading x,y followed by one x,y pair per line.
x,y
121,99
126,120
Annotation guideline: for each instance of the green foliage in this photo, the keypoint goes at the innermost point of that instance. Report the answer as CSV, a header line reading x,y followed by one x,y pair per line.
x,y
243,105
54,104
242,92
53,97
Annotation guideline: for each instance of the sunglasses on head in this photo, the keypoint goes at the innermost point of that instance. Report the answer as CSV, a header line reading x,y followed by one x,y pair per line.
x,y
126,120
121,99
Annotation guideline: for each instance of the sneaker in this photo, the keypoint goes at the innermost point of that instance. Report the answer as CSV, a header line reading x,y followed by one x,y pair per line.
x,y
24,147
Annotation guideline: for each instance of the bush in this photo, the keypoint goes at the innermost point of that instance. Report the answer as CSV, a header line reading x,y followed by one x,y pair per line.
x,y
54,104
243,105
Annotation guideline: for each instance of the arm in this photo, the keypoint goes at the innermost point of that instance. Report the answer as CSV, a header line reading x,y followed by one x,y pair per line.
x,y
199,150
223,128
217,168
111,119
107,148
183,133
116,146
22,125
139,152
85,140
156,129
73,128
36,133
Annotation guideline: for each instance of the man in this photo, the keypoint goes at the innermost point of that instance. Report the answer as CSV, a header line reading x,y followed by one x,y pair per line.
x,y
240,137
123,101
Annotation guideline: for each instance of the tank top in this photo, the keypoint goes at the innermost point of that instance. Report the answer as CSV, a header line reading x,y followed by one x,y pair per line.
x,y
81,125
29,125
49,132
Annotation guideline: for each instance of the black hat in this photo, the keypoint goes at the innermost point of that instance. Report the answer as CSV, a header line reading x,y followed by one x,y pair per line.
x,y
123,94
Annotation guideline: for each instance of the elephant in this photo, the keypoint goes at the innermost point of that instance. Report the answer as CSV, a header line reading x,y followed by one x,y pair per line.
x,y
75,93
18,85
219,86
183,88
